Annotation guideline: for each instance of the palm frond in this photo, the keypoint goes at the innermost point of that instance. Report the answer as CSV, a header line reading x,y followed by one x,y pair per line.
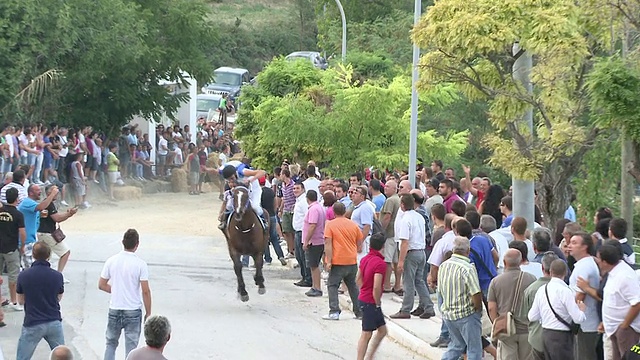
x,y
38,86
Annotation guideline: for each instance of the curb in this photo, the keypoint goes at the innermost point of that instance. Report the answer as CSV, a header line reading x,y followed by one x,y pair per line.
x,y
400,334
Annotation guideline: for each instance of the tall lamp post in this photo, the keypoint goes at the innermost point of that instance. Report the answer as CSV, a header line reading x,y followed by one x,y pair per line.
x,y
344,32
523,190
413,138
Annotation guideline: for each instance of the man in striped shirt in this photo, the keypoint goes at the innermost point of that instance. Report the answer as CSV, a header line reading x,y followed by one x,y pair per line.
x,y
285,212
462,303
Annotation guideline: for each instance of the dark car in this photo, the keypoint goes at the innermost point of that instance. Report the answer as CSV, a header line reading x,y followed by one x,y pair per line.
x,y
228,80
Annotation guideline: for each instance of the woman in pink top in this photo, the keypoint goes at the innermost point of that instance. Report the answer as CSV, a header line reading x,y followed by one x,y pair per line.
x,y
328,199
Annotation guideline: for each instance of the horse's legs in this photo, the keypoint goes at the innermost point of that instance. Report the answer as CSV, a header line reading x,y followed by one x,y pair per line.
x,y
258,259
237,267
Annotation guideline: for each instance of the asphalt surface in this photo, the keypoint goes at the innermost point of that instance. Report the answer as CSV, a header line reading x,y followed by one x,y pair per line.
x,y
193,284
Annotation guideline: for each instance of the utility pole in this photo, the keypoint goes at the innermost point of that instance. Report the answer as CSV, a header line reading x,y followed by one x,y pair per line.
x,y
413,137
344,32
627,182
523,190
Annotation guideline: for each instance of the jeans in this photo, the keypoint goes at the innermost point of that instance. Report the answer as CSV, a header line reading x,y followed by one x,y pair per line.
x,y
131,322
444,332
139,170
337,274
273,239
413,279
305,272
51,332
6,165
465,333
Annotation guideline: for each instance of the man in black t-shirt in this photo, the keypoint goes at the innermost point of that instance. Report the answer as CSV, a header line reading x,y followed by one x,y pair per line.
x,y
267,201
12,241
48,224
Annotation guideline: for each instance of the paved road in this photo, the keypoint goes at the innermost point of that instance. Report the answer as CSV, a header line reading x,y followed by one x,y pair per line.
x,y
193,284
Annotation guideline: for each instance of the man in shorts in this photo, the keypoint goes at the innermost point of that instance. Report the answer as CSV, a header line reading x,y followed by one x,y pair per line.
x,y
12,241
370,278
31,210
48,223
313,240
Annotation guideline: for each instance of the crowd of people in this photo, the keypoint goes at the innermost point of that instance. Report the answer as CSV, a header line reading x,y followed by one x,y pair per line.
x,y
71,157
375,233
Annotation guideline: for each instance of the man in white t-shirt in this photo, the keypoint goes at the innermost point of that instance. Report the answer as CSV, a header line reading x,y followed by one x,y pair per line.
x,y
126,277
312,183
163,151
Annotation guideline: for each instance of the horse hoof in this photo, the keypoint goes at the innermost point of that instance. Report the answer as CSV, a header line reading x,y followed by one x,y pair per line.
x,y
244,298
262,291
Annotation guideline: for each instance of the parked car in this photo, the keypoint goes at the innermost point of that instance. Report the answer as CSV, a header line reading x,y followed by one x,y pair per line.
x,y
315,57
228,80
207,108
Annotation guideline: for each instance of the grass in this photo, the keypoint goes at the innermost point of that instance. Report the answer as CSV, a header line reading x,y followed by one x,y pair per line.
x,y
250,12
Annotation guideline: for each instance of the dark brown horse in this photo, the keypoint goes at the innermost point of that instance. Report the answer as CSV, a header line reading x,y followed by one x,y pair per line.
x,y
245,236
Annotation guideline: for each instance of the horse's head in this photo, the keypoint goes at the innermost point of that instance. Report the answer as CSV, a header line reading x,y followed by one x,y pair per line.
x,y
240,201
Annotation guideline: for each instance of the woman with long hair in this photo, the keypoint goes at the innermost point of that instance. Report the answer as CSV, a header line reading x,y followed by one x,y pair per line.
x,y
491,204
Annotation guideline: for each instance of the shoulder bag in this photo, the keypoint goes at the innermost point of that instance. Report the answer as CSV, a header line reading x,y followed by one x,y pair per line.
x,y
505,324
574,328
58,235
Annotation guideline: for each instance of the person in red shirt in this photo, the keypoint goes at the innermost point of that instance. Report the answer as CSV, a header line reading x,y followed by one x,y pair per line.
x,y
370,277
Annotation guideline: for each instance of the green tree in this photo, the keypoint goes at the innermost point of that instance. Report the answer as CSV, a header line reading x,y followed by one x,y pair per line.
x,y
325,116
470,44
112,53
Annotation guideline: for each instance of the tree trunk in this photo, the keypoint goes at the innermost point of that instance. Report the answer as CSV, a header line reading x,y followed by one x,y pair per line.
x,y
554,189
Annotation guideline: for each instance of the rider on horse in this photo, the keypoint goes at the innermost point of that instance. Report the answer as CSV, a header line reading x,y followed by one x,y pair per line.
x,y
248,177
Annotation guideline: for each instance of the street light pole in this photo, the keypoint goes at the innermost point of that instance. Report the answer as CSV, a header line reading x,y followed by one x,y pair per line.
x,y
523,190
344,32
413,137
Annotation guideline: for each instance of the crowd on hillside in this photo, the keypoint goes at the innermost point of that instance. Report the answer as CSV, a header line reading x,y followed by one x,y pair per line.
x,y
551,293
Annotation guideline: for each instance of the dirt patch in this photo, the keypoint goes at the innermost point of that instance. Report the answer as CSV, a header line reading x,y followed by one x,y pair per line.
x,y
162,213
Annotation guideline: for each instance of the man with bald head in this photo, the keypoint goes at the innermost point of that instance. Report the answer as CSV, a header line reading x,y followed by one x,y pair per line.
x,y
388,216
535,329
61,352
506,292
557,337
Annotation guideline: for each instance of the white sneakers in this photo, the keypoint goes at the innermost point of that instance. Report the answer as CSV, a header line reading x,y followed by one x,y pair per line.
x,y
16,307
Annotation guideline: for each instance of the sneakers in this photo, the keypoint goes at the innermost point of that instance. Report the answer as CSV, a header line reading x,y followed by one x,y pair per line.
x,y
401,315
302,283
96,181
65,280
331,316
440,343
418,311
16,307
64,203
283,261
86,204
427,314
313,293
290,256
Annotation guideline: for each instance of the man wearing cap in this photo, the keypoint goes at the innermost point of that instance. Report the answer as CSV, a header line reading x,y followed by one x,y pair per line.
x,y
249,177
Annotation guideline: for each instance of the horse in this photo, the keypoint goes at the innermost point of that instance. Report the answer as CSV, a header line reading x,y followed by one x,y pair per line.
x,y
245,236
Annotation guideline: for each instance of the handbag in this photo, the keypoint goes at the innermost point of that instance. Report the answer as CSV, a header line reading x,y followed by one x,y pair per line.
x,y
505,324
58,235
573,327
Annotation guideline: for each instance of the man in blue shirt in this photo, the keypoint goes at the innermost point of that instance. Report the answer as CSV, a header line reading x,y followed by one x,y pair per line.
x,y
362,215
481,254
30,208
506,208
40,289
